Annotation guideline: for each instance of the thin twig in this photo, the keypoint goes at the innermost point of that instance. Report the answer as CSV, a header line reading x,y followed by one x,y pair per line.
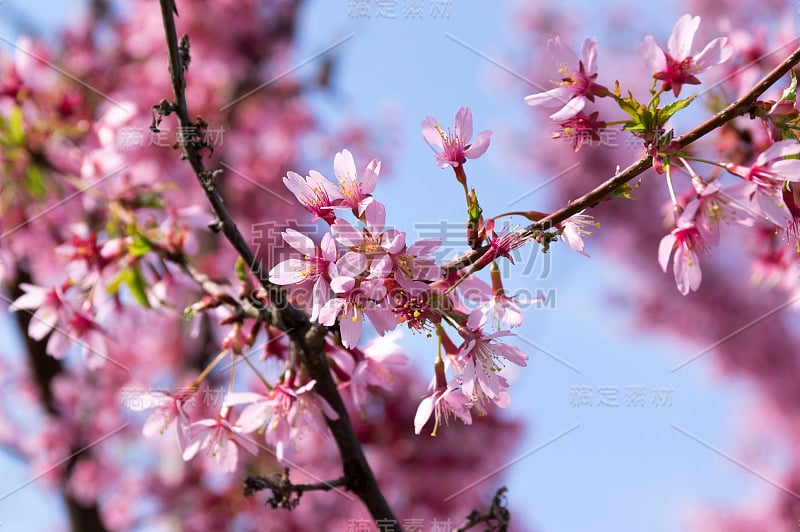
x,y
284,494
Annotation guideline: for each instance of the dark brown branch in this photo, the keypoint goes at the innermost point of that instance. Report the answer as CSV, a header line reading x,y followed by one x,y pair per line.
x,y
739,107
284,494
308,337
497,516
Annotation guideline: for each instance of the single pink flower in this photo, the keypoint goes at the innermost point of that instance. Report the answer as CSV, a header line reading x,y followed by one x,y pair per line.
x,y
313,267
49,306
577,84
765,179
84,255
286,414
443,403
480,361
355,300
452,148
580,129
374,368
676,65
574,229
355,194
369,245
501,246
167,408
687,244
496,306
220,440
85,332
407,264
315,193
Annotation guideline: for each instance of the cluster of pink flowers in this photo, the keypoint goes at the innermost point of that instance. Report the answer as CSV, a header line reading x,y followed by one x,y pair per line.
x,y
368,272
759,199
676,66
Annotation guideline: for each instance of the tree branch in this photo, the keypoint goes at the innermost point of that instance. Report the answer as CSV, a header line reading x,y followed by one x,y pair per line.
x,y
308,337
284,494
737,108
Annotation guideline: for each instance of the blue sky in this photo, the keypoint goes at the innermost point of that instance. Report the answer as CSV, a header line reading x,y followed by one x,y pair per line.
x,y
618,468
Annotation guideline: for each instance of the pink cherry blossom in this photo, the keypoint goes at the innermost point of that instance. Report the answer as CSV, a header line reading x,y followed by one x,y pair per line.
x,y
49,306
480,361
453,148
315,193
443,403
355,300
406,264
86,333
676,65
355,194
577,85
687,244
575,228
168,408
765,178
501,245
220,440
285,413
375,367
370,244
312,268
580,129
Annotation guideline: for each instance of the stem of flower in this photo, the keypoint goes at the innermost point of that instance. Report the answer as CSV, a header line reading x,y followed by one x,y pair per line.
x,y
676,207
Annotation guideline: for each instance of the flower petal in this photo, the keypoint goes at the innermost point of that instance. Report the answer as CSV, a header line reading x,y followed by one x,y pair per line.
x,y
716,52
300,242
424,411
480,145
463,124
665,248
680,41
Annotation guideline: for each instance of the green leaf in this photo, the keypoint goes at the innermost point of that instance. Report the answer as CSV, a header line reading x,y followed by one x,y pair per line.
x,y
790,92
152,200
188,313
631,106
625,190
140,246
135,282
474,210
241,271
15,131
137,286
113,286
34,183
666,112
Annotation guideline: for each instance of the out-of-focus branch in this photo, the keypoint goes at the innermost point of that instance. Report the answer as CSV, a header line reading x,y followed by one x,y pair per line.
x,y
742,106
308,337
44,369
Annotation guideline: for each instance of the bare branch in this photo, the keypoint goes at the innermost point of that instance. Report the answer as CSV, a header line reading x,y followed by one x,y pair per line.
x,y
284,494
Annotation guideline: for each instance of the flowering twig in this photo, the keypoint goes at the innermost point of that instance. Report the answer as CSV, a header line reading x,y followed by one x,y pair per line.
x,y
309,338
739,107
